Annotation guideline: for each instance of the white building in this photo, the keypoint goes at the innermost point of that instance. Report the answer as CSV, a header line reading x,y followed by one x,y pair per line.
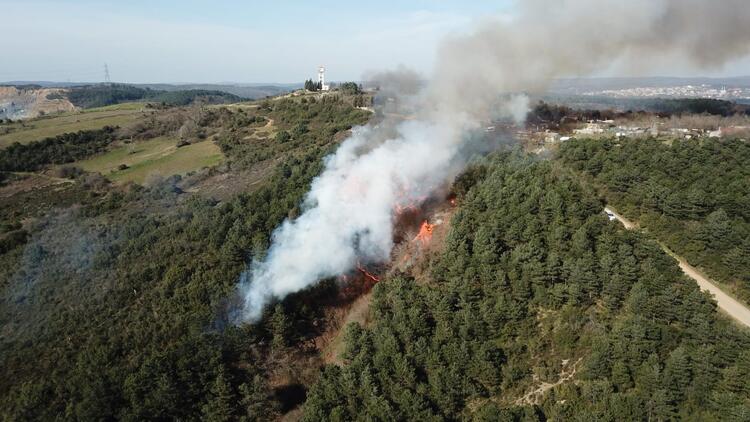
x,y
322,79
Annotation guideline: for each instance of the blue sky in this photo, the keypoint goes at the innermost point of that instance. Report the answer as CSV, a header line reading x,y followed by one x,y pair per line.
x,y
233,41
221,40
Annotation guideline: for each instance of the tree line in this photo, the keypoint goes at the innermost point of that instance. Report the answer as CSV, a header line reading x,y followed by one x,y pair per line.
x,y
90,96
311,85
61,149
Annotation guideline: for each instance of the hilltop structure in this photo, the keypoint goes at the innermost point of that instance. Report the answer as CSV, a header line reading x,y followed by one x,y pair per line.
x,y
322,78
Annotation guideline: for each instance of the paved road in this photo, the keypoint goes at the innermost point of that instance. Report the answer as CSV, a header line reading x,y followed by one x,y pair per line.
x,y
726,303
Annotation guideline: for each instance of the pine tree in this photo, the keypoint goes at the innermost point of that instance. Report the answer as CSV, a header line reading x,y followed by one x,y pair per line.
x,y
280,327
219,405
621,376
678,373
254,399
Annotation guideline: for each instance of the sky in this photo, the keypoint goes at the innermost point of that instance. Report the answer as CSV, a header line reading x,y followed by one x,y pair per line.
x,y
282,41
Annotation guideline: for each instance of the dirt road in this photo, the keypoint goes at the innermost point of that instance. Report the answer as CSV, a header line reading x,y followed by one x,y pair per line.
x,y
726,303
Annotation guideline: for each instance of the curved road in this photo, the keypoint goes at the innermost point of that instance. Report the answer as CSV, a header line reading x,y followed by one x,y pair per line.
x,y
728,304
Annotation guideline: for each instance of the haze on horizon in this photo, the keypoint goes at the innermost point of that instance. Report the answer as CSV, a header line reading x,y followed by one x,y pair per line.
x,y
197,41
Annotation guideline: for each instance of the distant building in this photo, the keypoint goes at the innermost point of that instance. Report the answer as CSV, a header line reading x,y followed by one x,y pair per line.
x,y
590,129
322,79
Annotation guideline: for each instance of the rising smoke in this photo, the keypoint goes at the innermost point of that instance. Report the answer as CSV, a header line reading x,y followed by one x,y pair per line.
x,y
348,213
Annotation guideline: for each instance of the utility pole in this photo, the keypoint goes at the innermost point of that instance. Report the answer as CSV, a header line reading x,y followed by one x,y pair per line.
x,y
106,74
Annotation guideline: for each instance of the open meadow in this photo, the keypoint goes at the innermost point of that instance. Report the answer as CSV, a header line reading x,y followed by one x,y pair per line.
x,y
158,156
49,126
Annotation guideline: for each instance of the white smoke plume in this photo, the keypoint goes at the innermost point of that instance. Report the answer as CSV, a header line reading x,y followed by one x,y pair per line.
x,y
349,208
348,213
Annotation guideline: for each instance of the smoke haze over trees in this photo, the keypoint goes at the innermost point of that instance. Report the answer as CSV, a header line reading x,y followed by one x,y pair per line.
x,y
381,166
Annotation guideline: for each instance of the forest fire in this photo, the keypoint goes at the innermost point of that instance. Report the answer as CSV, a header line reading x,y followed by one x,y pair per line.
x,y
367,274
404,209
425,233
356,284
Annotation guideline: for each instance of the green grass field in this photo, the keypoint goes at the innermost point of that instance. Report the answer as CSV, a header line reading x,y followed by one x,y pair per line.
x,y
159,156
45,127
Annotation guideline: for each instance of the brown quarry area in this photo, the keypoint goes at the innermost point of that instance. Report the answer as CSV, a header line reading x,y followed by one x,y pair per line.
x,y
34,102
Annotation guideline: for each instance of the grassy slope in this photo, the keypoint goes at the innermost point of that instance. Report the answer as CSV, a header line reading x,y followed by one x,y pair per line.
x,y
38,129
156,156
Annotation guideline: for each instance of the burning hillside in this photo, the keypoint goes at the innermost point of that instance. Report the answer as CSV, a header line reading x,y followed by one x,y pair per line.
x,y
425,233
349,212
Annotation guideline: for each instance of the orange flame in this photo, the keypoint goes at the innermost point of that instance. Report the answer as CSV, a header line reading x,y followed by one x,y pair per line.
x,y
367,274
425,233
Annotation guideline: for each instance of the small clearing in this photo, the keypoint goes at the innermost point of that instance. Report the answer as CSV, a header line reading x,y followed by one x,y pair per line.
x,y
534,396
331,344
158,156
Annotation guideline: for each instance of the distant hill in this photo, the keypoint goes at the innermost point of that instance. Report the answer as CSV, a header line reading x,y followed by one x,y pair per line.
x,y
244,90
250,91
24,99
90,96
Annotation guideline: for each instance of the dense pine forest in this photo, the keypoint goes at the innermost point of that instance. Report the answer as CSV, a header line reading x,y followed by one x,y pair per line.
x,y
692,194
90,96
535,286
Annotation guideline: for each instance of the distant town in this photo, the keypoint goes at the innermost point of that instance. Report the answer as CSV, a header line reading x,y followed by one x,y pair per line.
x,y
684,91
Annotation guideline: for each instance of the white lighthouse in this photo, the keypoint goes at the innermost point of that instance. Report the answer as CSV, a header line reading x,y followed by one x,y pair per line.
x,y
322,78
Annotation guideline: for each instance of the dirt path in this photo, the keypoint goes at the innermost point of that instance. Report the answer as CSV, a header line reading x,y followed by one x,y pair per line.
x,y
726,303
625,222
534,396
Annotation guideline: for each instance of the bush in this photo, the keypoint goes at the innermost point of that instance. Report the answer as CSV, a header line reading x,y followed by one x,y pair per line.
x,y
12,240
283,136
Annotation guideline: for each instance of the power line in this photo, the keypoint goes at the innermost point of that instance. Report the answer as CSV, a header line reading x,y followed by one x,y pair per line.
x,y
106,74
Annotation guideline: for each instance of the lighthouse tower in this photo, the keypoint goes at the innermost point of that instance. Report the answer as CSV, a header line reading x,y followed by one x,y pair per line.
x,y
322,78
